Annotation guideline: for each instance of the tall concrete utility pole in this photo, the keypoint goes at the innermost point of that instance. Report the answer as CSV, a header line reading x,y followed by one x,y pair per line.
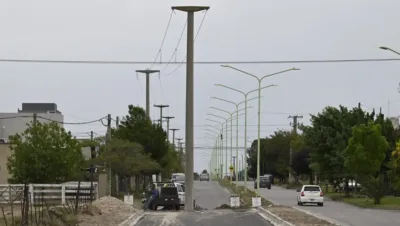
x,y
117,122
294,124
189,102
168,118
173,136
148,72
108,139
161,109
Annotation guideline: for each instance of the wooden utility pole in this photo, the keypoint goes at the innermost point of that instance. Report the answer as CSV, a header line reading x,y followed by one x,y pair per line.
x,y
295,125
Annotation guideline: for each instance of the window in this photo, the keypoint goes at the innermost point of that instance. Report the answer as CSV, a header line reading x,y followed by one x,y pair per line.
x,y
311,188
179,187
183,188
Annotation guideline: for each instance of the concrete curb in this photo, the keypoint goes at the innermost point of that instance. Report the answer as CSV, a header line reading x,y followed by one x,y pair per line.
x,y
320,217
133,219
272,218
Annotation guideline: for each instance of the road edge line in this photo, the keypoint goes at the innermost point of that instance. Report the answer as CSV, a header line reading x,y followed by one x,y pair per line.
x,y
133,219
272,218
331,221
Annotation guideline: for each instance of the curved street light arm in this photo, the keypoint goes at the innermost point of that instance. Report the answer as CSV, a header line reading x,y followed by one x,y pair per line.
x,y
230,88
212,120
227,101
217,116
242,109
391,50
264,87
244,72
208,129
280,72
249,100
214,127
219,109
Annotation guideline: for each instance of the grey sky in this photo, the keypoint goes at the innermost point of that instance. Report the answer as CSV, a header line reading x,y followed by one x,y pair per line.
x,y
233,30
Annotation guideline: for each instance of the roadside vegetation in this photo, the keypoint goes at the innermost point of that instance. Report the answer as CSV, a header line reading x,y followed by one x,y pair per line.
x,y
354,155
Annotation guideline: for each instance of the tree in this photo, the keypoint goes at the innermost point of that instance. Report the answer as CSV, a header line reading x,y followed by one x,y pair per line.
x,y
204,171
327,136
44,153
364,156
137,127
127,159
301,162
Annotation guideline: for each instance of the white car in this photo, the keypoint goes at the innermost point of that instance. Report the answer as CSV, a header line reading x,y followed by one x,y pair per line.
x,y
310,194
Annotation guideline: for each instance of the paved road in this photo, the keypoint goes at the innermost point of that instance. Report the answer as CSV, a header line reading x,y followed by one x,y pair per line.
x,y
335,211
208,195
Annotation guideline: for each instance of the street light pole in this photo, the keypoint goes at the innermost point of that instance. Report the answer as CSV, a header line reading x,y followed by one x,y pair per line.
x,y
245,124
221,143
237,129
259,113
189,102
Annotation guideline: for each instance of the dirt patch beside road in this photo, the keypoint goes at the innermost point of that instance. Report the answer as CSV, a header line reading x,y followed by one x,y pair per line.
x,y
297,217
105,211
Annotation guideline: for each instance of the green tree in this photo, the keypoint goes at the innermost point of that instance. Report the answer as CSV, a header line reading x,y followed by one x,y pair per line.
x,y
127,159
137,127
327,136
204,171
44,153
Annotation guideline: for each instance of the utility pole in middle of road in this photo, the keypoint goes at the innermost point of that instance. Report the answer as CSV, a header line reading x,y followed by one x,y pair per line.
x,y
161,109
148,72
168,118
294,124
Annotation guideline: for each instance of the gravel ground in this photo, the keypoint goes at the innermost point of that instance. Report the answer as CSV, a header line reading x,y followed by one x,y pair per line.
x,y
105,211
297,217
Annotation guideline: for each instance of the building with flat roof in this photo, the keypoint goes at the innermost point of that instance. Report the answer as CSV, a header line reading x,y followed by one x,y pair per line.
x,y
17,122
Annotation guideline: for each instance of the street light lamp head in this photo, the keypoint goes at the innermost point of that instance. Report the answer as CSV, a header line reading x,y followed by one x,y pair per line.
x,y
224,65
296,69
384,48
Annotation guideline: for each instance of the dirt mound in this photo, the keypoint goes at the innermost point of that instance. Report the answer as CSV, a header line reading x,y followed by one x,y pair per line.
x,y
105,211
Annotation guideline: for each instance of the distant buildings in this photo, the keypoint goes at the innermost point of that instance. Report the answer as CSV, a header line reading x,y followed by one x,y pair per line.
x,y
16,122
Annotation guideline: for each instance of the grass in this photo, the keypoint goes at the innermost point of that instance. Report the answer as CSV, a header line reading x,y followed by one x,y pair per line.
x,y
387,202
244,196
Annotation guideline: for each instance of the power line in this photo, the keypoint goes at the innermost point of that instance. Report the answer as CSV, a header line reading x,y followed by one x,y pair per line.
x,y
163,40
9,60
195,37
51,120
176,47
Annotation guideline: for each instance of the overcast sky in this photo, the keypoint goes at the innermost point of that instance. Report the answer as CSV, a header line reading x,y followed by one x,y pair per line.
x,y
233,30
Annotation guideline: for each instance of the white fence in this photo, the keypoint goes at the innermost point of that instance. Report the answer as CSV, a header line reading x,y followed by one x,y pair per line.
x,y
50,193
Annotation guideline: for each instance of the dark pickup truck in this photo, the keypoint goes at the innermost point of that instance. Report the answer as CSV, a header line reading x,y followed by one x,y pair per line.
x,y
168,199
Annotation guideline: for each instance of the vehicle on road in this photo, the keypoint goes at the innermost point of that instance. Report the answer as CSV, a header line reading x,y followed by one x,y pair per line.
x,y
265,182
175,175
179,186
204,177
180,179
310,194
168,198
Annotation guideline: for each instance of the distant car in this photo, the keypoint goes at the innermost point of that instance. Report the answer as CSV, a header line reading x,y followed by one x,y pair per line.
x,y
204,177
265,182
310,194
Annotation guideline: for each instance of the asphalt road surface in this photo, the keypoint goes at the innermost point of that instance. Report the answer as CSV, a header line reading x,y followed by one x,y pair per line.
x,y
207,195
338,212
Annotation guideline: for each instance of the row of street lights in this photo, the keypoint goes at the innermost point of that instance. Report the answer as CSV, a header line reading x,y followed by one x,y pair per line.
x,y
219,149
245,94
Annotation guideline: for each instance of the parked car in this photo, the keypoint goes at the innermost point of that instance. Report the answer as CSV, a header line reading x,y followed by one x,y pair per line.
x,y
265,182
168,198
310,194
204,177
180,187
